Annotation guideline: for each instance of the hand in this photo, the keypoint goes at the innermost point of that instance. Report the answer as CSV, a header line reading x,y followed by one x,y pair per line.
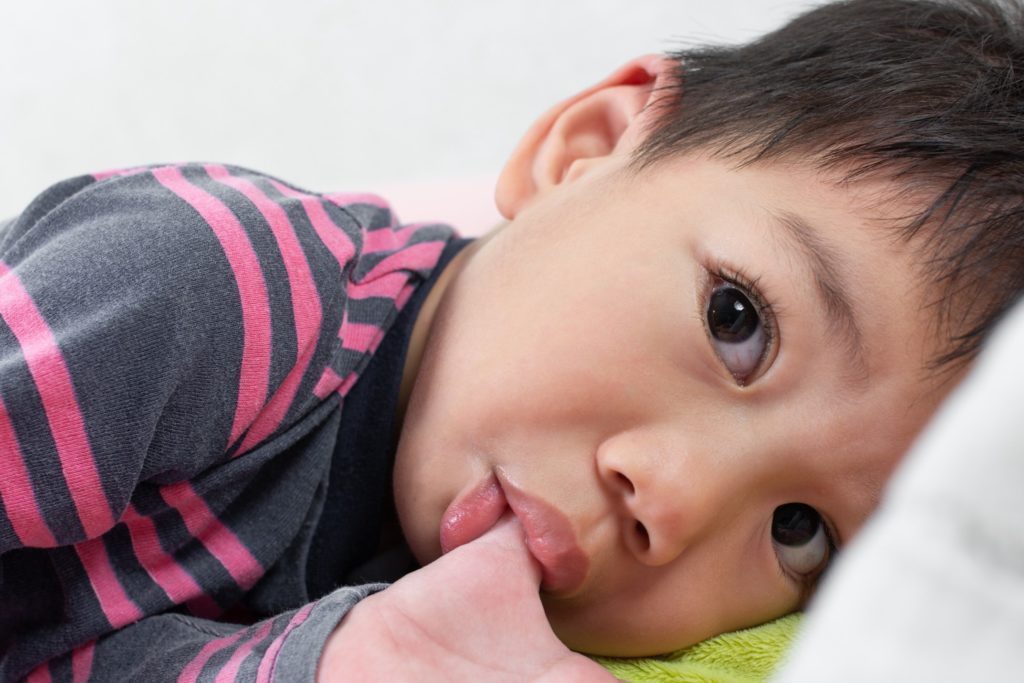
x,y
472,615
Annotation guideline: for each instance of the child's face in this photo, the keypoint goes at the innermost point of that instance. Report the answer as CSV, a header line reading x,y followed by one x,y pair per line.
x,y
572,358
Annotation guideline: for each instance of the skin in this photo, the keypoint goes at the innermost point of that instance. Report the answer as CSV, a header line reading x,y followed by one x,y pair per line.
x,y
421,629
568,351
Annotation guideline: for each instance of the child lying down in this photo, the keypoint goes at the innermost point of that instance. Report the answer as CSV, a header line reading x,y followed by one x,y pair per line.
x,y
733,285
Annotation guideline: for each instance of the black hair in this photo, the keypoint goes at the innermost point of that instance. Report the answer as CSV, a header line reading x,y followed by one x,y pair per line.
x,y
929,91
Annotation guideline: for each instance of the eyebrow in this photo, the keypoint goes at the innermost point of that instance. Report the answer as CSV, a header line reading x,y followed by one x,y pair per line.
x,y
826,265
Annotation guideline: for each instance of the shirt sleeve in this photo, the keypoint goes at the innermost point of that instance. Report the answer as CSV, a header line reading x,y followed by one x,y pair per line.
x,y
149,328
284,648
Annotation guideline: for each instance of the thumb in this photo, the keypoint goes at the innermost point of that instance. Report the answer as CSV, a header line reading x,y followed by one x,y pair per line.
x,y
507,533
501,552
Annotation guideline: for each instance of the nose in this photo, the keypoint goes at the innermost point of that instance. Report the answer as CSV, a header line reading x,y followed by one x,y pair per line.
x,y
666,496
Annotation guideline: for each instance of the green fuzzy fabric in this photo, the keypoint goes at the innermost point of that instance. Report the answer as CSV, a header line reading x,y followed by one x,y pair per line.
x,y
747,656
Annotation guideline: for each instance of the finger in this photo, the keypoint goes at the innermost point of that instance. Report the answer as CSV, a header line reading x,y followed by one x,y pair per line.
x,y
501,551
507,533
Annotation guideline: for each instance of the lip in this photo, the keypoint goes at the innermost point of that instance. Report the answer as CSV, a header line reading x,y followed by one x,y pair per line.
x,y
550,538
549,535
471,515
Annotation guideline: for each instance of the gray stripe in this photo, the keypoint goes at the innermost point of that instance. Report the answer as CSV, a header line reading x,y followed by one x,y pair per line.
x,y
38,450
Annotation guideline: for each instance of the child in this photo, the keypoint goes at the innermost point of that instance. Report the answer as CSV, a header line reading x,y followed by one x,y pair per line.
x,y
734,285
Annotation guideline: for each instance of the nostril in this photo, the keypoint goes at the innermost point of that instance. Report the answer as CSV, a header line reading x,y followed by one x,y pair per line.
x,y
643,537
626,484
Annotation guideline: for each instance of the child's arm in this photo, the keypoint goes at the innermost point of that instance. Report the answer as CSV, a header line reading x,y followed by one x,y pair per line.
x,y
472,615
179,647
98,299
164,336
149,334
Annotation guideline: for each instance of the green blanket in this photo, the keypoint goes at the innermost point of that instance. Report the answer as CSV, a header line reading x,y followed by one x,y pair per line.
x,y
747,656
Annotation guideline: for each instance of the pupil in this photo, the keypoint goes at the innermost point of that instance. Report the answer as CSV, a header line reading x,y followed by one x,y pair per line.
x,y
794,524
731,316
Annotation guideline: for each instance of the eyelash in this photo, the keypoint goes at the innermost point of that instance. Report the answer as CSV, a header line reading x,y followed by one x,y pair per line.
x,y
737,278
807,584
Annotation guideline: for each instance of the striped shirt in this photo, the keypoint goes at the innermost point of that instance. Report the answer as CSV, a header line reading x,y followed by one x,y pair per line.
x,y
176,346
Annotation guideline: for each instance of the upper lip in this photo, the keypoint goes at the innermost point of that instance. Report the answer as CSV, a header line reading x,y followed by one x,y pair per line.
x,y
549,537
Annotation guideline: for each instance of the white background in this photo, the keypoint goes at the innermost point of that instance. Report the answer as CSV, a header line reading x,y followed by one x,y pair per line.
x,y
331,95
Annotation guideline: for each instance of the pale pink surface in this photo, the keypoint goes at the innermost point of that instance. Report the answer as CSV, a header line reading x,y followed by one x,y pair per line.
x,y
466,203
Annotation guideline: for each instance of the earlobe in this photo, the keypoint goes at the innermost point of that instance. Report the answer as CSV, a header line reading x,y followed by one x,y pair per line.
x,y
575,135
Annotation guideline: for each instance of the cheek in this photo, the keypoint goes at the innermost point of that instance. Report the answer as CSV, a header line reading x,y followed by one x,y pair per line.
x,y
590,308
544,362
718,587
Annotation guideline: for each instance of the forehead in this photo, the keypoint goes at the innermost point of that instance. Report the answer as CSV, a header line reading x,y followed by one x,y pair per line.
x,y
845,231
877,197
828,217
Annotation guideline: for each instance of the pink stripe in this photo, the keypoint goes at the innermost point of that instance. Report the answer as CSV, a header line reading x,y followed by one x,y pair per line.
x,y
81,662
389,240
119,609
40,674
343,250
215,537
191,672
53,381
230,670
344,198
358,336
16,492
365,337
305,303
252,289
346,386
387,285
403,296
333,237
161,567
269,662
81,666
327,383
416,257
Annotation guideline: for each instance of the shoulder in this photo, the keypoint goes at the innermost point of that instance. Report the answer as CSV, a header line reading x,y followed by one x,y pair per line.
x,y
192,219
162,215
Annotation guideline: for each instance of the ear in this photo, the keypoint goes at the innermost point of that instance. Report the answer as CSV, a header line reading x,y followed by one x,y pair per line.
x,y
572,136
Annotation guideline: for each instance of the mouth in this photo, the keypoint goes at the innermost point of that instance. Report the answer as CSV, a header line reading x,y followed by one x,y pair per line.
x,y
549,534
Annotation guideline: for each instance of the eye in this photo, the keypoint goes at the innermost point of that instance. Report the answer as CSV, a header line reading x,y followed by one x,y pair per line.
x,y
801,539
738,331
